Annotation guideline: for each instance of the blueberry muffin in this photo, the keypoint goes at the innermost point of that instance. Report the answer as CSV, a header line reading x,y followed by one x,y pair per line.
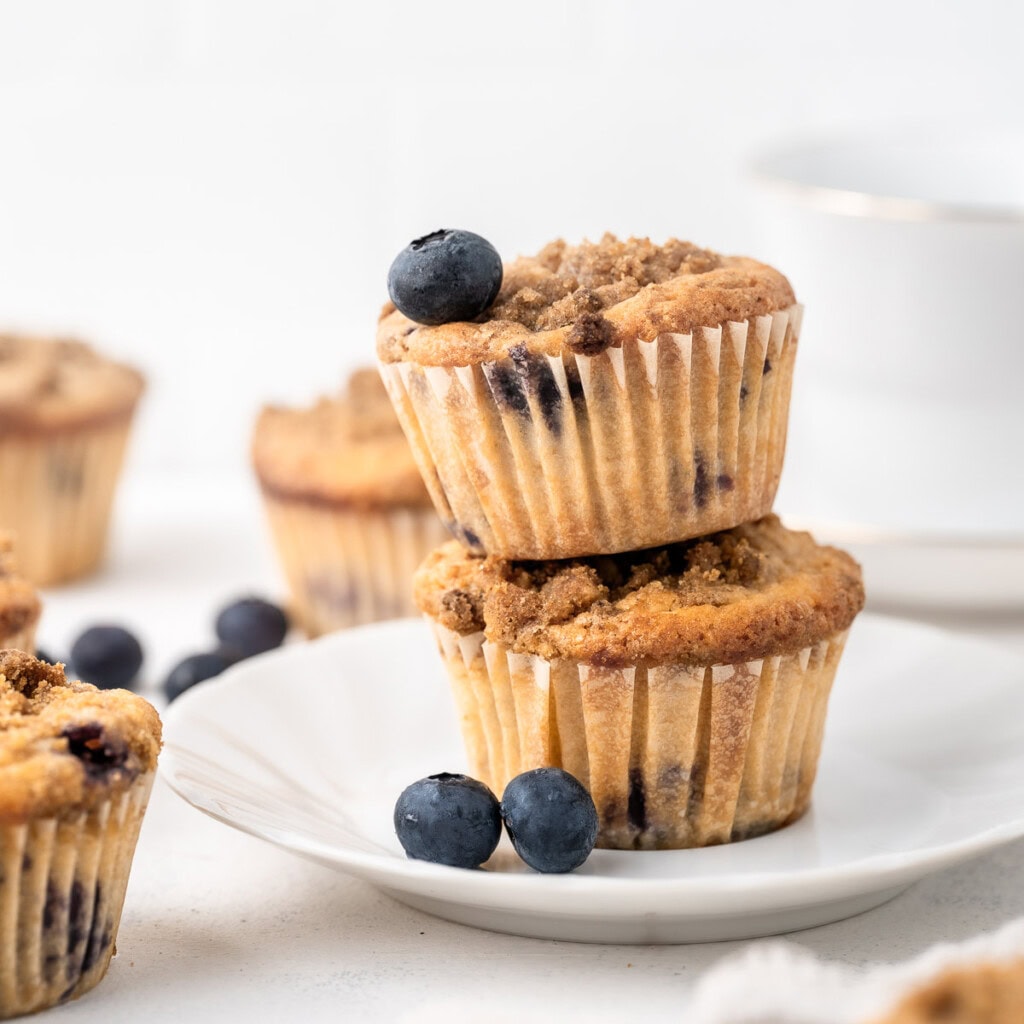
x,y
65,416
686,686
347,508
76,767
615,396
19,603
982,993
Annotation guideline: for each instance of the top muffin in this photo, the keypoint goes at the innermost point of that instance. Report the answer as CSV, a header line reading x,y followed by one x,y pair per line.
x,y
348,450
585,298
66,746
53,384
614,396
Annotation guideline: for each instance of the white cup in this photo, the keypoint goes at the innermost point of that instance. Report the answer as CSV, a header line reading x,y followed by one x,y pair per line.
x,y
908,252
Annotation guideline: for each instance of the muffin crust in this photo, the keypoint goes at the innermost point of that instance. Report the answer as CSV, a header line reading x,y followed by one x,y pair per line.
x,y
57,384
585,298
66,746
344,451
736,596
19,603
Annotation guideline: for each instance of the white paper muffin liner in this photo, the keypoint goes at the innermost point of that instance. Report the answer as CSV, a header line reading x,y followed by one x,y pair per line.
x,y
62,886
535,457
674,756
346,566
56,494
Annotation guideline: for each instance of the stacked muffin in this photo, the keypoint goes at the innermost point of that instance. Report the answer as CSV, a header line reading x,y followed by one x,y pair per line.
x,y
605,442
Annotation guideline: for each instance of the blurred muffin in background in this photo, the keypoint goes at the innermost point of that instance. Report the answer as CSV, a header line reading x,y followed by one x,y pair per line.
x,y
19,603
65,416
349,513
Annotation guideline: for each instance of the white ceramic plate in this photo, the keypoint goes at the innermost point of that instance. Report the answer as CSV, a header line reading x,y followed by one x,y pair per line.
x,y
309,746
930,571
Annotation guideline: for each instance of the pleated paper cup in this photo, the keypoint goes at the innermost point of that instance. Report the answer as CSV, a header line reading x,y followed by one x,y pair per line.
x,y
674,756
348,566
61,894
57,494
536,457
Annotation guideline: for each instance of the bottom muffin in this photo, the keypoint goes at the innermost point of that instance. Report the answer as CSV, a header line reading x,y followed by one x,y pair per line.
x,y
685,686
76,768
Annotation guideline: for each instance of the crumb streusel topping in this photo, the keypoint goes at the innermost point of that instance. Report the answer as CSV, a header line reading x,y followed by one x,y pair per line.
x,y
746,593
585,298
66,746
54,383
348,450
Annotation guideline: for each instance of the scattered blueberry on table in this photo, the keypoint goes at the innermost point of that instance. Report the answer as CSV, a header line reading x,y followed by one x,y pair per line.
x,y
251,626
107,656
196,668
445,277
550,818
448,819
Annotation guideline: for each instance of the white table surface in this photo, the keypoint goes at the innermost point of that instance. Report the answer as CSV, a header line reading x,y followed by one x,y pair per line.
x,y
219,924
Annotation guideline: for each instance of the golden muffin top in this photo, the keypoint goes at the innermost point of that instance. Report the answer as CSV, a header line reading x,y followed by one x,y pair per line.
x,y
51,384
66,746
585,298
751,592
348,450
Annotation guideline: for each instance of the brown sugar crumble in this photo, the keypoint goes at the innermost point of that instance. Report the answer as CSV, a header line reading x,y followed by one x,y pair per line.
x,y
740,594
347,450
562,283
585,298
65,744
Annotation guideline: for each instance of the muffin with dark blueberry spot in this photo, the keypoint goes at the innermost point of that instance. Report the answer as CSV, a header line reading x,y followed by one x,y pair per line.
x,y
608,396
349,513
65,417
685,686
76,768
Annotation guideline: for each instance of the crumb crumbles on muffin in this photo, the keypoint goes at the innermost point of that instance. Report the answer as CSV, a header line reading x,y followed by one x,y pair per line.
x,y
66,746
348,450
755,590
585,298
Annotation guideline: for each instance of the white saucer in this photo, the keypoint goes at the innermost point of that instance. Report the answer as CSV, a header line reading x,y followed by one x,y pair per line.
x,y
929,571
308,747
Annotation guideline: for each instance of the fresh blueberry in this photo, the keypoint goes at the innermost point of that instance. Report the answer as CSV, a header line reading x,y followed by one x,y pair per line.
x,y
196,668
251,626
107,656
550,819
444,277
448,819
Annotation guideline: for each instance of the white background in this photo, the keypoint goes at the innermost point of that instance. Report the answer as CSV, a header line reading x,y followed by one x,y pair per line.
x,y
214,189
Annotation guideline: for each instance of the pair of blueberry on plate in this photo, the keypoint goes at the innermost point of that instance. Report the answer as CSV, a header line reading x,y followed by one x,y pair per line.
x,y
453,819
